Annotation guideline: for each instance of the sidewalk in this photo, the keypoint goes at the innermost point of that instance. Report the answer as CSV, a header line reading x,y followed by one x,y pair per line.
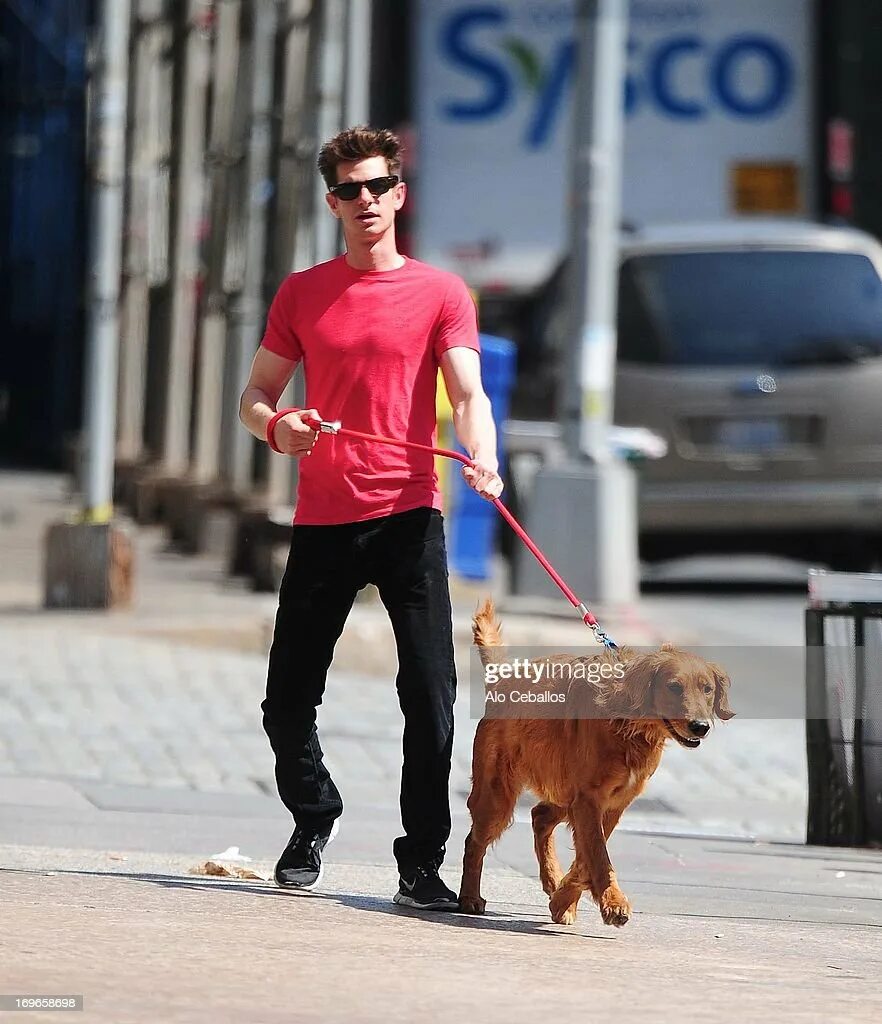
x,y
722,932
131,750
166,695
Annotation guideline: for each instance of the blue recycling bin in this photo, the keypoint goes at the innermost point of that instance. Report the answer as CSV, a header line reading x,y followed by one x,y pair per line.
x,y
473,520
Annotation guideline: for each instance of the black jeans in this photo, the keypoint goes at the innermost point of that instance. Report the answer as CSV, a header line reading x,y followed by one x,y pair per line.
x,y
405,556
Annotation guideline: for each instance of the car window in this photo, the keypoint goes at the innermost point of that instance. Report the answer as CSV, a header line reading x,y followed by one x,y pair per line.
x,y
760,307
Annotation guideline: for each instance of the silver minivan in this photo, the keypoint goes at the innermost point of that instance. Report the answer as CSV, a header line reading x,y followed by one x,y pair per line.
x,y
755,349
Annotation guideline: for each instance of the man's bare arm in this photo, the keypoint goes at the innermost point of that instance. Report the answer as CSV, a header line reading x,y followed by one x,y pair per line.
x,y
472,419
257,405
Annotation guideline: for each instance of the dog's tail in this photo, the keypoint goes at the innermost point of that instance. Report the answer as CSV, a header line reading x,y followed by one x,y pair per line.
x,y
487,632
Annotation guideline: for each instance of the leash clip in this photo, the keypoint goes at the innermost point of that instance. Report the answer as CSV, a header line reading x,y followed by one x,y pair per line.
x,y
602,638
594,626
329,426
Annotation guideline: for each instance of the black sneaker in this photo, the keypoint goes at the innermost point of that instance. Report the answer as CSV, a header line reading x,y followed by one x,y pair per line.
x,y
423,889
300,866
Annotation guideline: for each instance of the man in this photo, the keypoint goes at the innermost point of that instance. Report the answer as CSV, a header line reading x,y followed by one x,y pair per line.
x,y
371,328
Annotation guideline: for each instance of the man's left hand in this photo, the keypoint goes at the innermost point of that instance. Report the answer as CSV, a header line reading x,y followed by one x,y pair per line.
x,y
484,478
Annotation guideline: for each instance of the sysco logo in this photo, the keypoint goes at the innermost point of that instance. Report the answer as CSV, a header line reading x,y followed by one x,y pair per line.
x,y
683,76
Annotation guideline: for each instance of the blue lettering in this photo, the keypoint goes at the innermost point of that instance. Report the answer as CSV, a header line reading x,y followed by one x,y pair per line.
x,y
653,79
662,86
780,83
498,83
549,100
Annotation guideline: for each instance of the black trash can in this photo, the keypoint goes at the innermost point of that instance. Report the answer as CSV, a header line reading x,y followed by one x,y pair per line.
x,y
843,629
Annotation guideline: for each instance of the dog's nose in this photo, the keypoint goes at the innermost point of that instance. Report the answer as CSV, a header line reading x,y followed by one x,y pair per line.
x,y
698,727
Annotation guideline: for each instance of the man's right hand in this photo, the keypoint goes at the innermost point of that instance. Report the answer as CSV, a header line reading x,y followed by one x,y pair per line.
x,y
293,436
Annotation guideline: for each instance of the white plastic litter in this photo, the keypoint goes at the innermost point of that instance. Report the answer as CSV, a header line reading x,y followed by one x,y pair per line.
x,y
231,854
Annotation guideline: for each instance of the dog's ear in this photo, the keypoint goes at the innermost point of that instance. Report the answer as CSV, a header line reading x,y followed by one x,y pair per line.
x,y
721,696
637,691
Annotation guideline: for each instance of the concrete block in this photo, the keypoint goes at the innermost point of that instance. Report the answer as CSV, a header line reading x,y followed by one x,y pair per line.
x,y
125,477
173,497
145,506
257,537
170,496
218,531
88,565
201,518
242,553
584,518
149,494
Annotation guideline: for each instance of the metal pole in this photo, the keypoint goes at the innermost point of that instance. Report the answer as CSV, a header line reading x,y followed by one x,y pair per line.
x,y
305,209
598,131
248,309
357,102
296,161
292,171
135,293
108,177
221,156
330,117
599,544
190,187
148,30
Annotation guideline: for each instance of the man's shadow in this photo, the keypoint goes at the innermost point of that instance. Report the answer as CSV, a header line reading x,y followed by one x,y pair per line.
x,y
492,921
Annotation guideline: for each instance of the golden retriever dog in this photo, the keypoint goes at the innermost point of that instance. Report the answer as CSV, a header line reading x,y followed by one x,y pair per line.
x,y
586,757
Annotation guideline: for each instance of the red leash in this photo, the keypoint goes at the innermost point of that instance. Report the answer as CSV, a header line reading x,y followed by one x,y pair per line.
x,y
326,427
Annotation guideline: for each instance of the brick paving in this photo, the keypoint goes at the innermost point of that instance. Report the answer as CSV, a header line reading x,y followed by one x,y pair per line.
x,y
120,698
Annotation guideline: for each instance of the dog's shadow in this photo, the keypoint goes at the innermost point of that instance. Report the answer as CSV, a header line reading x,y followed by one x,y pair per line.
x,y
492,921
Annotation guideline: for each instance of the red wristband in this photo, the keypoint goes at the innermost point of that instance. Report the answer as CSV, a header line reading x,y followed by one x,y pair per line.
x,y
271,426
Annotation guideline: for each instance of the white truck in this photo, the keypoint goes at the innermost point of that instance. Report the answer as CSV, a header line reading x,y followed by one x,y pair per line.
x,y
718,98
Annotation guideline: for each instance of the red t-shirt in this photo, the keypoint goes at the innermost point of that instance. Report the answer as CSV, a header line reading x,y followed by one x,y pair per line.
x,y
370,342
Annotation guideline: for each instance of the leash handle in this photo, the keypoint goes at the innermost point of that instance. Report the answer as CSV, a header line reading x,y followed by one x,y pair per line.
x,y
335,427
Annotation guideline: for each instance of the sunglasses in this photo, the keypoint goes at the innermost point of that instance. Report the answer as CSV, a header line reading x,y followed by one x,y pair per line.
x,y
377,187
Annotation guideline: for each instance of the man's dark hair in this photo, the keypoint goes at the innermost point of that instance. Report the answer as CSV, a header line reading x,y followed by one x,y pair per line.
x,y
359,143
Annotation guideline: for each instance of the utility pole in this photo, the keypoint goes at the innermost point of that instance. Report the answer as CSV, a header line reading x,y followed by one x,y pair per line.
x,y
190,190
315,51
146,260
248,309
329,120
88,564
588,515
294,177
296,151
222,148
105,257
596,175
357,99
305,209
136,291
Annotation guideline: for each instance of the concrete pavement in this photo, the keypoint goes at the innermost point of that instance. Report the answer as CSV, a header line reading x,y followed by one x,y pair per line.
x,y
722,932
166,695
131,751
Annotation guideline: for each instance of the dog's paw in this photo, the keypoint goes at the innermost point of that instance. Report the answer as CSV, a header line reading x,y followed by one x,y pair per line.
x,y
565,916
472,905
615,908
563,909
